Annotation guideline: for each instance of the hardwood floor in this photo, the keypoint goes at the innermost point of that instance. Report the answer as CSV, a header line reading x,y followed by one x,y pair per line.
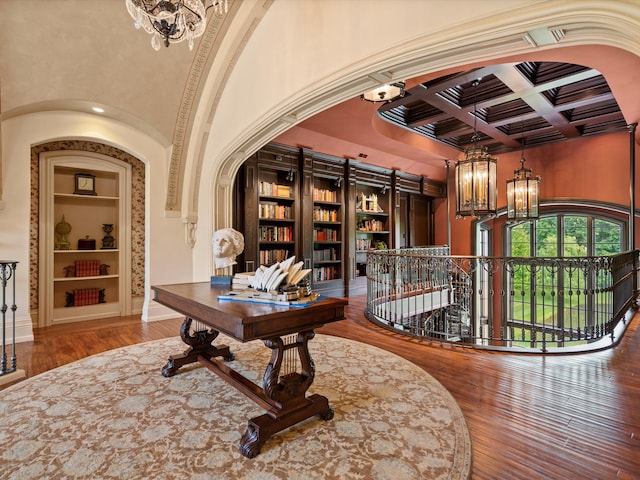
x,y
529,417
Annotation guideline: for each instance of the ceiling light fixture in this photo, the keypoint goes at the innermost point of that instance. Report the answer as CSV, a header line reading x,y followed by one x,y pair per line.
x,y
476,174
385,93
173,21
523,192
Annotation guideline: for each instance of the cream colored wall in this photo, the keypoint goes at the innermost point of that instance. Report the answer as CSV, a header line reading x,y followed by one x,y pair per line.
x,y
163,234
62,50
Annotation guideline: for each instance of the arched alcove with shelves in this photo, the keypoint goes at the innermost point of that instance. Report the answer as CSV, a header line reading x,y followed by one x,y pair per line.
x,y
120,200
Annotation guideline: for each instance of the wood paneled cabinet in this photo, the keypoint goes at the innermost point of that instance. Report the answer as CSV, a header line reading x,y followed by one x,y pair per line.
x,y
324,222
370,207
270,212
328,212
85,234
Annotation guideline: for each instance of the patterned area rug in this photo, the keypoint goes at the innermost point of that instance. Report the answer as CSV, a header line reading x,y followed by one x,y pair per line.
x,y
114,415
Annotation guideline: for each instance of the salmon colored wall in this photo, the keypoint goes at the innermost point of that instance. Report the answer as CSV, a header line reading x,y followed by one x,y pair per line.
x,y
595,169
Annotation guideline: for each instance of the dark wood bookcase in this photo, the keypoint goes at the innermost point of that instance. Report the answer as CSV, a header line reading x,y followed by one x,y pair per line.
x,y
372,218
329,212
324,214
271,207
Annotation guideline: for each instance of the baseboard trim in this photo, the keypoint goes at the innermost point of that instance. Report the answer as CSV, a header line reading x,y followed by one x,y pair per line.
x,y
157,312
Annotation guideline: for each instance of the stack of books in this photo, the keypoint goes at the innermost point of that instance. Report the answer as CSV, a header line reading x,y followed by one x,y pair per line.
x,y
86,296
87,268
241,280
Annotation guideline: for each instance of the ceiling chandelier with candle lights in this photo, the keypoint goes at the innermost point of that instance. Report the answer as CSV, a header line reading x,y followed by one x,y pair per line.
x,y
173,21
476,175
523,193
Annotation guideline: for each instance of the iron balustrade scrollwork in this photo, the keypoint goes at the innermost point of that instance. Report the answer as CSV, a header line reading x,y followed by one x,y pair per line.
x,y
7,273
527,304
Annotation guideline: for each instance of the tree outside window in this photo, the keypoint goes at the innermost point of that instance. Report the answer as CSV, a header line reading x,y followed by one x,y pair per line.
x,y
534,300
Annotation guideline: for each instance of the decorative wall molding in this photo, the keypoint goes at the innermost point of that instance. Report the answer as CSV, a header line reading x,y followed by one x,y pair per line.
x,y
484,40
137,211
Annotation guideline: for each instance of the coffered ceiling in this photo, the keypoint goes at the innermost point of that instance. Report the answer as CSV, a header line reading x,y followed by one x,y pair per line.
x,y
537,103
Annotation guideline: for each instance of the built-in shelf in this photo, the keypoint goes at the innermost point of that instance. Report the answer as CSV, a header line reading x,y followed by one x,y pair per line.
x,y
83,279
102,250
64,296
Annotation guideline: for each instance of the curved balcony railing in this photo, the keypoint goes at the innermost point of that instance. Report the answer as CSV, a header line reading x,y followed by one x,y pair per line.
x,y
521,304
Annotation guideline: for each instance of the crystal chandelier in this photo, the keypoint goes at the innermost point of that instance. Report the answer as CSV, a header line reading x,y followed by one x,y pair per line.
x,y
523,193
384,93
476,174
173,21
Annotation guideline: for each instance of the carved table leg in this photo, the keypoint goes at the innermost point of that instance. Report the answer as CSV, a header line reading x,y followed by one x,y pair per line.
x,y
286,395
200,343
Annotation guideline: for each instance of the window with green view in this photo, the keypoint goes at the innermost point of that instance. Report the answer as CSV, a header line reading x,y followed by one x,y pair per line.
x,y
542,292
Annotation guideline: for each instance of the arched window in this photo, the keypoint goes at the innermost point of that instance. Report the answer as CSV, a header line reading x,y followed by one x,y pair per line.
x,y
534,303
566,235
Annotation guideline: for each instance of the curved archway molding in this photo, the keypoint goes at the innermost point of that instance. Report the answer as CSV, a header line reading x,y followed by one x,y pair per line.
x,y
497,34
218,51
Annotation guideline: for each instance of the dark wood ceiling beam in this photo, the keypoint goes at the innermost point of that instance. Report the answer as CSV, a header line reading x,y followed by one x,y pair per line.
x,y
568,80
508,96
586,102
605,118
453,132
533,96
427,120
465,115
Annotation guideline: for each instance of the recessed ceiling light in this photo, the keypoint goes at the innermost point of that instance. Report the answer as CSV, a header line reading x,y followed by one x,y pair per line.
x,y
97,109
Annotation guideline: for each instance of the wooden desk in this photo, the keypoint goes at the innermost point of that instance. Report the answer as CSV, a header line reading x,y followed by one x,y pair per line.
x,y
283,393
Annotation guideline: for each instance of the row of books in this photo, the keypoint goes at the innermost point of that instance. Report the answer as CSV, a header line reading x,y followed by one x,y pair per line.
x,y
324,215
326,254
87,268
272,189
87,296
321,274
269,257
322,195
275,234
363,244
326,235
273,210
371,225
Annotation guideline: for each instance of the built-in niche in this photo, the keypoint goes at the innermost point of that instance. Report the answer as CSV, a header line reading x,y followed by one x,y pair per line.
x,y
137,216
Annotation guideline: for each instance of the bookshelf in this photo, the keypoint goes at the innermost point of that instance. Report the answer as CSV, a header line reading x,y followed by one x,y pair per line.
x,y
372,226
269,208
83,269
276,216
328,213
327,233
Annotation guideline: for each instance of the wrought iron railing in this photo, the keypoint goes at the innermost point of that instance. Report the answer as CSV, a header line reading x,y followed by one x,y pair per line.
x,y
7,272
515,303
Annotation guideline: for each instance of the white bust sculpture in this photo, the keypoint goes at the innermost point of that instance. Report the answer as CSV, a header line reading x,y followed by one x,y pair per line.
x,y
227,244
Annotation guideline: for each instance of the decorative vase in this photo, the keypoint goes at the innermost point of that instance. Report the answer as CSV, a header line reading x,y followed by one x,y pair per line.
x,y
108,241
62,229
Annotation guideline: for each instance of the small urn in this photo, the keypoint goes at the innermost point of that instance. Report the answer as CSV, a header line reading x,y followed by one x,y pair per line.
x,y
108,241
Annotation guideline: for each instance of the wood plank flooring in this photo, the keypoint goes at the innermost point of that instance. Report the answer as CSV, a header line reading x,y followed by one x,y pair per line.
x,y
529,417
